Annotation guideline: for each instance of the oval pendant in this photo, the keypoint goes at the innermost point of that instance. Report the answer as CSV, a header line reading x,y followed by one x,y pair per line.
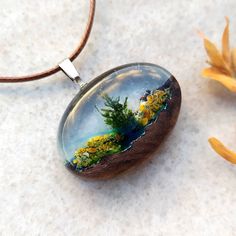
x,y
119,119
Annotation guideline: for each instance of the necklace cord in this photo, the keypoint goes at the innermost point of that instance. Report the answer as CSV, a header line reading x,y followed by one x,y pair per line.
x,y
55,69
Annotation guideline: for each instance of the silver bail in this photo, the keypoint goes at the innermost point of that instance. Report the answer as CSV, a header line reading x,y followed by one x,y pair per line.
x,y
69,69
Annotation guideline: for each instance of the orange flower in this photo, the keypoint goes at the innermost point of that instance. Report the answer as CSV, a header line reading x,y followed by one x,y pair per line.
x,y
223,64
222,150
223,70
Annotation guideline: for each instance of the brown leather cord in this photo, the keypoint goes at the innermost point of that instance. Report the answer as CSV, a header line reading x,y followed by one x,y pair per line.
x,y
51,71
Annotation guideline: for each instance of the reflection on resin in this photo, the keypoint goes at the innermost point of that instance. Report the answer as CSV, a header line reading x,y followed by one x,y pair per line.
x,y
113,113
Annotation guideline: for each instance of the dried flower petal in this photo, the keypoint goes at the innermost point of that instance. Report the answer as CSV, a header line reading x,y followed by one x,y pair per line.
x,y
227,81
225,43
233,58
216,60
222,150
223,70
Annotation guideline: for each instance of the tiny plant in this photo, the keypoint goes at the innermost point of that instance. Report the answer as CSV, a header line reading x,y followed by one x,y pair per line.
x,y
117,115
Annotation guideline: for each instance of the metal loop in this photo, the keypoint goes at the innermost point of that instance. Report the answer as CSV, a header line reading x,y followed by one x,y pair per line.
x,y
69,69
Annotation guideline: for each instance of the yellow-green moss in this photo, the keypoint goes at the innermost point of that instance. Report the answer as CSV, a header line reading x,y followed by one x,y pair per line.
x,y
154,103
96,148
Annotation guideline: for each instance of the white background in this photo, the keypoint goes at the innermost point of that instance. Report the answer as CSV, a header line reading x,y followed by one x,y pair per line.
x,y
185,190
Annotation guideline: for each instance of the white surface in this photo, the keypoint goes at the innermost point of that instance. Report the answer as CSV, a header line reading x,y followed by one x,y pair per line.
x,y
187,190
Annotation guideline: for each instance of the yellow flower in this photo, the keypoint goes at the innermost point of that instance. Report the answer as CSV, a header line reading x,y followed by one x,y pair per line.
x,y
91,150
142,107
149,98
144,121
222,150
223,64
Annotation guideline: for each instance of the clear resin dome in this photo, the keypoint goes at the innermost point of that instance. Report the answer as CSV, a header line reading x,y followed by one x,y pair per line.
x,y
112,114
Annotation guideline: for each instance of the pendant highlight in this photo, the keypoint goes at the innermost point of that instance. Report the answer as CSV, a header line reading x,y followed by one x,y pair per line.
x,y
118,120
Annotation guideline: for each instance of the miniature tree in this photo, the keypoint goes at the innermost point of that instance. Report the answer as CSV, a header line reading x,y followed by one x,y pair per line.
x,y
117,115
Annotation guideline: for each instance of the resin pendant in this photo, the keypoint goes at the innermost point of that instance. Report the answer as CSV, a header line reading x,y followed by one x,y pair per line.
x,y
118,120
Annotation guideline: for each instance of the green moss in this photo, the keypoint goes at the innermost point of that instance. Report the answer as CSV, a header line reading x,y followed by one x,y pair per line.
x,y
117,115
